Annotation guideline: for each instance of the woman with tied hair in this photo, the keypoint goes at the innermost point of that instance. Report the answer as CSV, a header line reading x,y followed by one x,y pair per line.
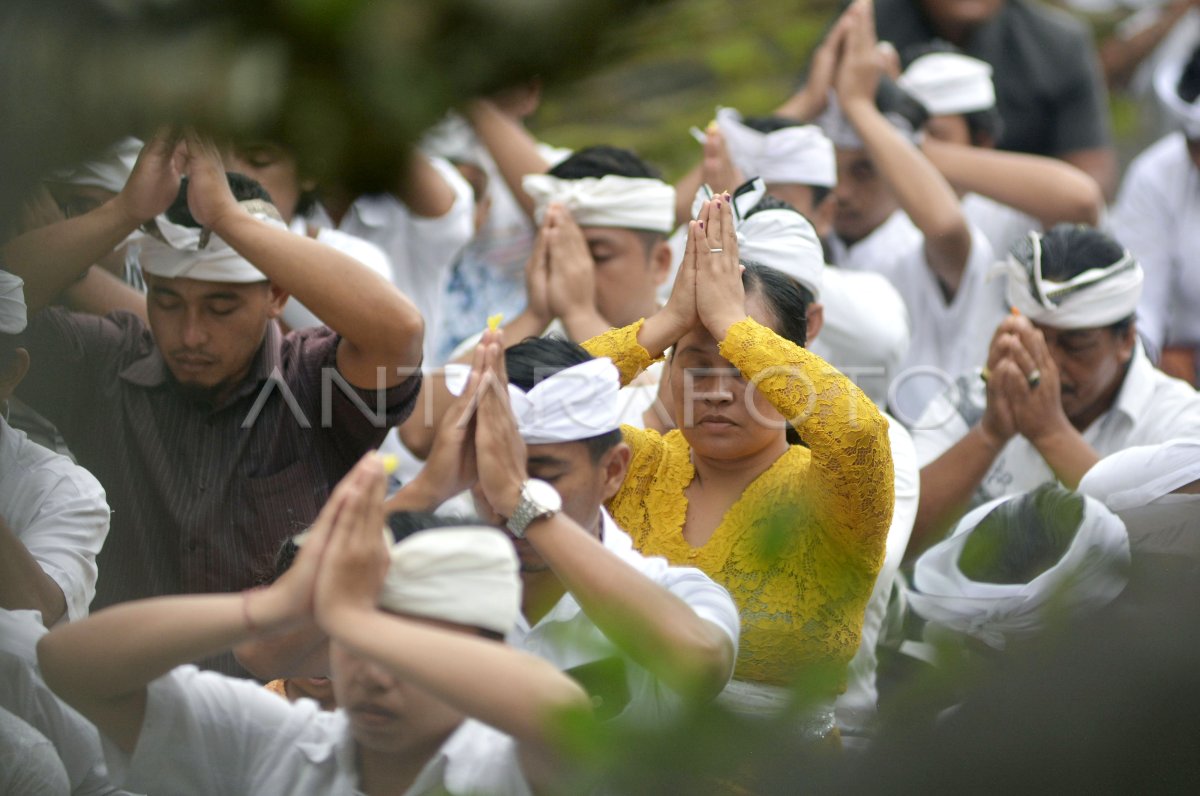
x,y
795,532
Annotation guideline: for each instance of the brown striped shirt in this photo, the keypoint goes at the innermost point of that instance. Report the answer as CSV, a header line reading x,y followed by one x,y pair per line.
x,y
200,503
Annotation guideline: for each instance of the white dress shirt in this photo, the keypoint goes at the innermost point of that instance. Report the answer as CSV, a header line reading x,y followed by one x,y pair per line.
x,y
948,337
26,695
205,733
421,249
1151,407
566,637
1002,225
58,511
1157,217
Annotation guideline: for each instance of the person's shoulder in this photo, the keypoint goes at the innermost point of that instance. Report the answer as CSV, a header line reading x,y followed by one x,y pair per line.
x,y
482,759
1167,159
900,22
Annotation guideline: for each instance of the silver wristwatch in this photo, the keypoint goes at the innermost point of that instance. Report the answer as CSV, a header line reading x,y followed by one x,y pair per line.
x,y
538,500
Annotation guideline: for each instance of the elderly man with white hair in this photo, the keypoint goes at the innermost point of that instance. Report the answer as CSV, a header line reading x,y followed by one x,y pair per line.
x,y
53,514
430,701
1155,216
213,434
1066,382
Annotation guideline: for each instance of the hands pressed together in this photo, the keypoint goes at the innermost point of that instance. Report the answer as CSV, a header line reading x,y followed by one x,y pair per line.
x,y
1024,392
708,288
168,157
560,278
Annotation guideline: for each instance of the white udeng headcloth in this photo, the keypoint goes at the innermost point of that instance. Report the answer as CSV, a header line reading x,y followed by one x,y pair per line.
x,y
609,201
574,404
1139,484
1097,297
1166,86
843,135
110,171
1090,574
777,238
801,155
13,313
466,575
949,83
181,255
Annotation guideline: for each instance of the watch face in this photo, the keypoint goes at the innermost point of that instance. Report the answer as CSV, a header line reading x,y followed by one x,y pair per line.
x,y
544,495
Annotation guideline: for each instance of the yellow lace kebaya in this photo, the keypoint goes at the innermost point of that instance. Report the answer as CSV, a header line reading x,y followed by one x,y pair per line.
x,y
800,549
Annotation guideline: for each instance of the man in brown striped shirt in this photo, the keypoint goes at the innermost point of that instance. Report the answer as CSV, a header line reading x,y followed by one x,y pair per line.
x,y
214,435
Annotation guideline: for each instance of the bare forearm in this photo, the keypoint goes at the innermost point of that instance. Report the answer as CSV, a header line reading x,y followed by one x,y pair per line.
x,y
509,690
100,293
685,192
659,332
369,313
584,324
50,259
947,485
511,146
23,582
654,627
1068,454
423,190
921,190
1050,190
1120,57
303,652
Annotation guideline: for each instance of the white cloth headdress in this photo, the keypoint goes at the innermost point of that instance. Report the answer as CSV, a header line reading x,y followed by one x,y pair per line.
x,y
185,252
467,575
1091,573
13,313
1139,484
110,171
610,201
843,135
800,155
574,404
779,238
949,83
1166,86
1097,297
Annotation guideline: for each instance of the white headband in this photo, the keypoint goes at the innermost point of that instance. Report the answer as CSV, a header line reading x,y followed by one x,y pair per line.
x,y
1097,297
13,313
1090,574
110,171
843,135
610,201
800,155
574,404
1139,484
186,253
466,575
777,238
949,83
1166,86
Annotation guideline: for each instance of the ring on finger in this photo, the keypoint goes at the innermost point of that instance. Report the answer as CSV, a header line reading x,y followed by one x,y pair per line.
x,y
1034,378
717,250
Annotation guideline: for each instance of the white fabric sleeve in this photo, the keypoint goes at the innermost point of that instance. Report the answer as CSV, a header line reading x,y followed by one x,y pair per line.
x,y
28,761
1142,221
66,535
706,597
203,733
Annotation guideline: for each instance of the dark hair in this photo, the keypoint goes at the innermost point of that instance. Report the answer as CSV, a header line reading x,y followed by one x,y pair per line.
x,y
1022,537
986,122
1189,81
787,299
243,188
602,161
535,359
1070,249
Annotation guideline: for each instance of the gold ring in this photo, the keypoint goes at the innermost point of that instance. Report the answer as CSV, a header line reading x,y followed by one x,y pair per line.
x,y
985,374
